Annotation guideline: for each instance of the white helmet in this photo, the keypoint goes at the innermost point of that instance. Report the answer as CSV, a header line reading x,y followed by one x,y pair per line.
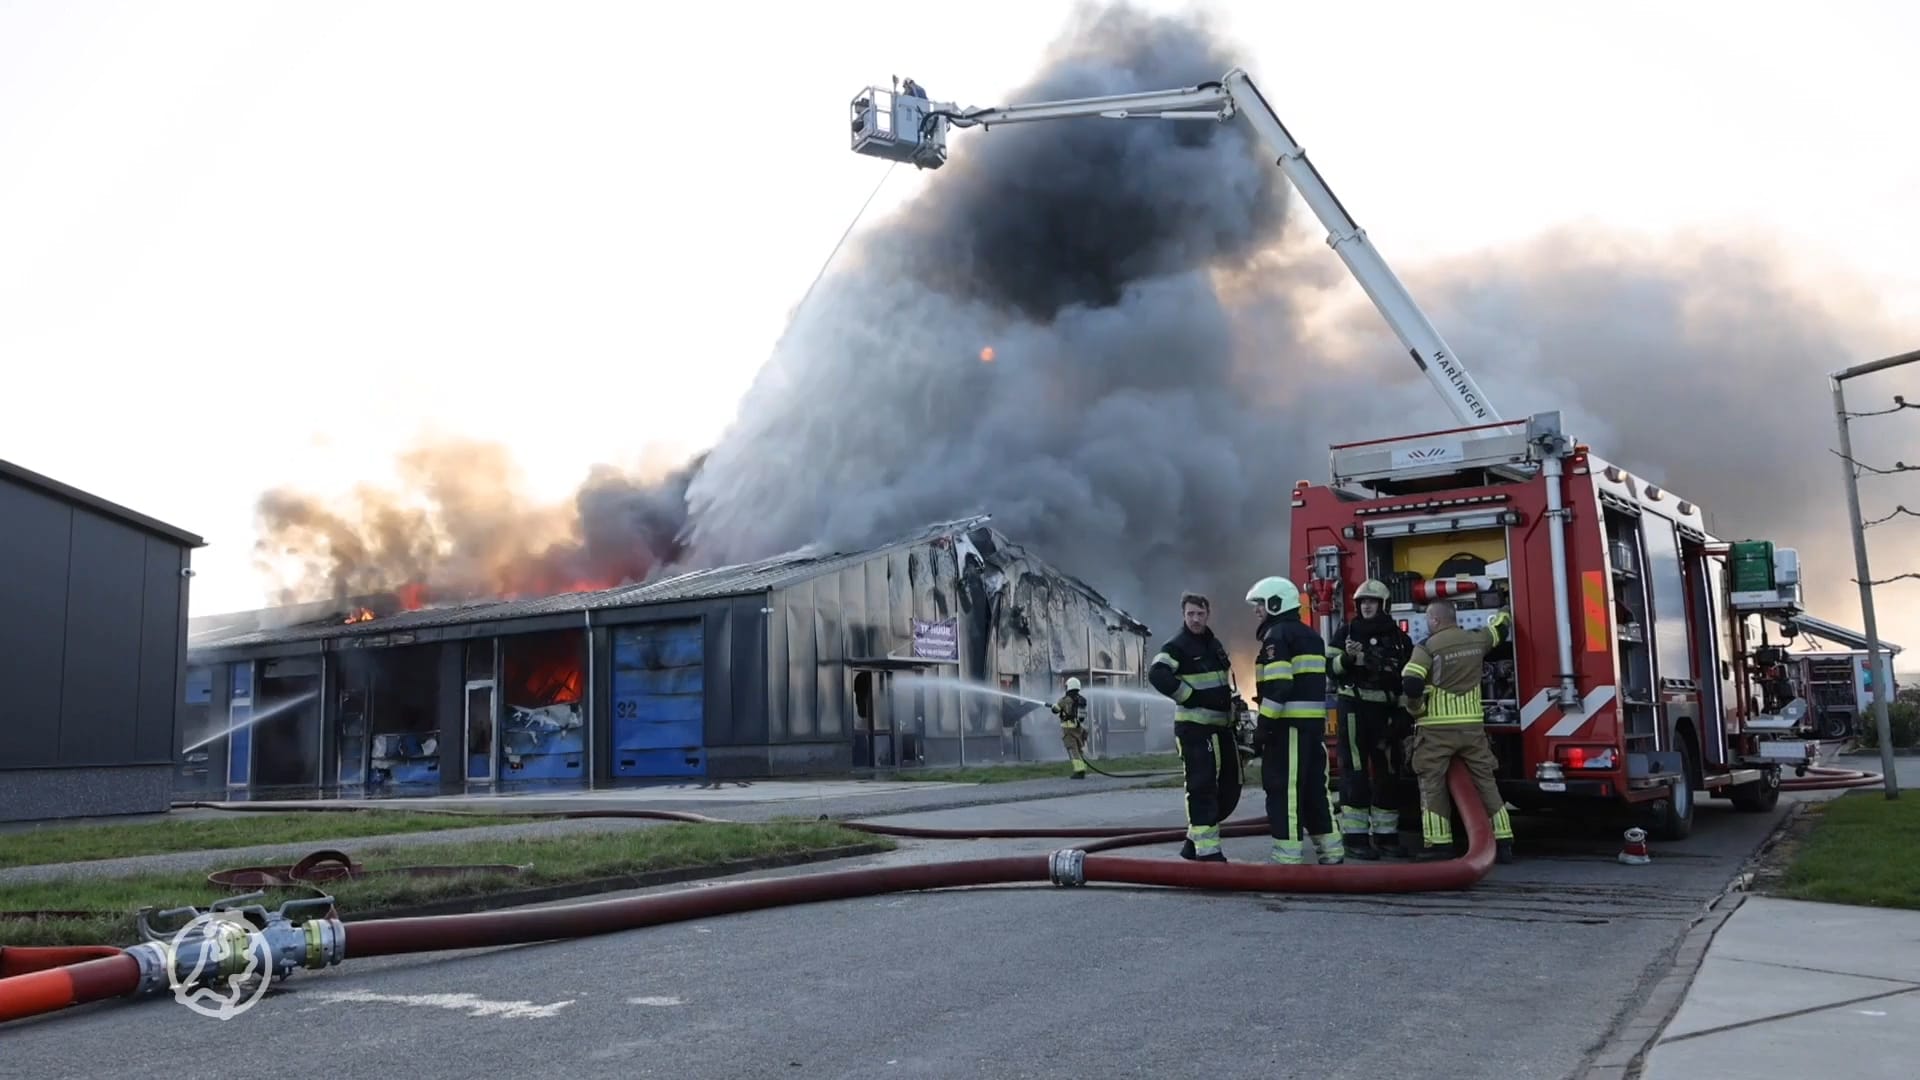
x,y
1073,684
1274,595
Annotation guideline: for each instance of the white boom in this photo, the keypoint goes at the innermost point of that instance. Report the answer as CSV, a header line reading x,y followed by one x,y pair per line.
x,y
906,127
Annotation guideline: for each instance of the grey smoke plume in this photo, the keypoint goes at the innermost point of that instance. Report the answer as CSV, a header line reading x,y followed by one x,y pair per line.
x,y
1153,392
1155,388
1109,430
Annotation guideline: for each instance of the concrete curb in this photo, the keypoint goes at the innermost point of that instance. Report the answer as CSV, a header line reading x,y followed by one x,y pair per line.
x,y
626,882
1624,1054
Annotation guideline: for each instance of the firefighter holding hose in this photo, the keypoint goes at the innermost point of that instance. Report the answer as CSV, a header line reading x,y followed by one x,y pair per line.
x,y
1292,673
1442,684
1366,657
1192,668
1072,711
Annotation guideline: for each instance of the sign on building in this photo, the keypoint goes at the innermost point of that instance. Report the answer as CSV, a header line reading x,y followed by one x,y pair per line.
x,y
936,640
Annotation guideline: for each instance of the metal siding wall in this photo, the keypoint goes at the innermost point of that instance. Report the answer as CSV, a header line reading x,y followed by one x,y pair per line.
x,y
162,619
745,693
829,639
881,617
803,667
718,725
33,578
99,708
776,700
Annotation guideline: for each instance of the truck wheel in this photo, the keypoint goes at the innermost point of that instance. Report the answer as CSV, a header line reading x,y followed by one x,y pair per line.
x,y
1758,796
1673,820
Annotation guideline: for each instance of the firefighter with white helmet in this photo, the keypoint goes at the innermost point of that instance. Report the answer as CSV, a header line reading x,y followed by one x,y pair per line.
x,y
1292,673
1072,711
1364,659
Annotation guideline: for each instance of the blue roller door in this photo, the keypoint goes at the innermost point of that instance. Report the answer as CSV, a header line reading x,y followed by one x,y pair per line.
x,y
659,700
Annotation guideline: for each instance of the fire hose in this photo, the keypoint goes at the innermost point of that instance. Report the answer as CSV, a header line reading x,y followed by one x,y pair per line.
x,y
231,938
1822,778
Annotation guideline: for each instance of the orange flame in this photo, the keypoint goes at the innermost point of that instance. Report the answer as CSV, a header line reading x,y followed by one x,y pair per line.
x,y
360,615
986,355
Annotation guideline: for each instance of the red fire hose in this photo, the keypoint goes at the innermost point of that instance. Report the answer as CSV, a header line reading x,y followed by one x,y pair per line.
x,y
1821,778
35,981
39,981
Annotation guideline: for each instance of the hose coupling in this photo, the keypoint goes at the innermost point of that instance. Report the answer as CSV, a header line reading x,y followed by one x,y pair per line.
x,y
1068,868
235,941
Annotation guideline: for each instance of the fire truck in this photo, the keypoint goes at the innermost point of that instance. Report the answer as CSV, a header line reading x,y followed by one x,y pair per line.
x,y
1631,678
1635,673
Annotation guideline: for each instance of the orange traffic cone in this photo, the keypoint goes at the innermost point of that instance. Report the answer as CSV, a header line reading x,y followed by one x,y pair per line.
x,y
1635,853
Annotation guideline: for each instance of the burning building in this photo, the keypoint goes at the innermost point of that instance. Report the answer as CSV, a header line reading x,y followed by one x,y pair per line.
x,y
808,663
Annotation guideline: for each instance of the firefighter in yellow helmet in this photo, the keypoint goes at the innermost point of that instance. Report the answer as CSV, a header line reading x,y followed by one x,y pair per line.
x,y
1442,684
1289,734
1364,658
1072,711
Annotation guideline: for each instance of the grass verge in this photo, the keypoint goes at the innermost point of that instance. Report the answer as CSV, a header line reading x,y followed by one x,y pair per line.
x,y
1041,770
84,843
99,910
1861,850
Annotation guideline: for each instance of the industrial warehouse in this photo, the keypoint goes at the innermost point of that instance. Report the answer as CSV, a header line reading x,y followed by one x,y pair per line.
x,y
802,664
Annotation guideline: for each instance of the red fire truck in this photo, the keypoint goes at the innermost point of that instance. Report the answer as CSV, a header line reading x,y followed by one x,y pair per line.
x,y
1631,676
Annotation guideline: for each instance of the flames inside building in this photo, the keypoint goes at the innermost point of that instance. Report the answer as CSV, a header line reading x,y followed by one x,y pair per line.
x,y
804,664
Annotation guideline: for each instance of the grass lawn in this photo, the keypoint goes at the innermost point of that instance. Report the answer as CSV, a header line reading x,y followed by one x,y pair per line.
x,y
81,843
103,907
1863,850
1041,770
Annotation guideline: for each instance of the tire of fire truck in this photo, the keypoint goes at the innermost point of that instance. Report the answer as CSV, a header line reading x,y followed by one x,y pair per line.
x,y
1758,796
1672,817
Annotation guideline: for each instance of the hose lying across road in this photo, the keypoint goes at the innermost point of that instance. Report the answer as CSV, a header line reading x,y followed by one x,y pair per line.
x,y
38,981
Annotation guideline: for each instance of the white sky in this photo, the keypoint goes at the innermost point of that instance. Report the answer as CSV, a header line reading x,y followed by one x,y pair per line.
x,y
250,244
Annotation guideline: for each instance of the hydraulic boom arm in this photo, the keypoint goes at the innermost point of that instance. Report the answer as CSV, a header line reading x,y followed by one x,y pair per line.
x,y
906,127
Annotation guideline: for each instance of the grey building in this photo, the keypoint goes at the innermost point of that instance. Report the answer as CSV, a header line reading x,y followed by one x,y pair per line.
x,y
803,664
93,627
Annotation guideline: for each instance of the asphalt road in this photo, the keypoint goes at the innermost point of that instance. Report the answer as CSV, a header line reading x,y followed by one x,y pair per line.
x,y
1523,975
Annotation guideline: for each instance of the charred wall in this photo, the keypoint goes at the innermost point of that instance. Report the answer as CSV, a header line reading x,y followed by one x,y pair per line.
x,y
846,690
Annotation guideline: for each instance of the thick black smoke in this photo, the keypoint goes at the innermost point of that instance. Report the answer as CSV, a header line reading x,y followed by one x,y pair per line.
x,y
1108,430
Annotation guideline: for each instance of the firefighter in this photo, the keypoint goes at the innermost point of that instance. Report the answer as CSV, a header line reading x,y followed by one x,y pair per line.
x,y
1192,668
1365,657
1072,711
1442,684
1292,673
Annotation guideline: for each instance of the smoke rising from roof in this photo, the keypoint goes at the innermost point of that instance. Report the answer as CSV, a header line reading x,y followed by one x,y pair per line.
x,y
459,529
1164,367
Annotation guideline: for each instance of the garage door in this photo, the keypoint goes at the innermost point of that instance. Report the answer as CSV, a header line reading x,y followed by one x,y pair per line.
x,y
659,700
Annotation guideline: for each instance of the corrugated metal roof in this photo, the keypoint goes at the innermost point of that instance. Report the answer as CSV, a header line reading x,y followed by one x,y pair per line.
x,y
739,580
